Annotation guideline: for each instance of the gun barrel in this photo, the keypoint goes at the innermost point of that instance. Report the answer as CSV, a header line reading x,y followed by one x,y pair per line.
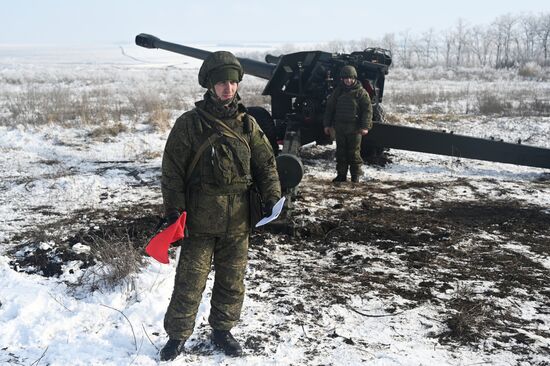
x,y
251,67
450,144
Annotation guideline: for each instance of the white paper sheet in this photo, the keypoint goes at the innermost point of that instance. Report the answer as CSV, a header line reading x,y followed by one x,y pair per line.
x,y
277,208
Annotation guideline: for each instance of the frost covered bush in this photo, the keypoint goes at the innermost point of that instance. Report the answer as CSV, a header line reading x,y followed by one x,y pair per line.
x,y
454,74
466,91
251,93
105,97
97,97
62,105
491,104
108,130
530,70
535,107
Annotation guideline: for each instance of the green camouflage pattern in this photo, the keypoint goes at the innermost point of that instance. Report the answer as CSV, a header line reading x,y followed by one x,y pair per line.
x,y
218,189
216,61
348,153
216,197
348,110
230,260
348,71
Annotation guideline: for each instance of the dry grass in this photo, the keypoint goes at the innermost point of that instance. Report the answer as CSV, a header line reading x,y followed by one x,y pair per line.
x,y
108,130
470,318
428,117
117,260
100,103
161,119
111,102
492,104
116,247
251,95
530,70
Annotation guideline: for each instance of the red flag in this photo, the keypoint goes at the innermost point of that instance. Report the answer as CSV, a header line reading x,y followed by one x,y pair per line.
x,y
158,246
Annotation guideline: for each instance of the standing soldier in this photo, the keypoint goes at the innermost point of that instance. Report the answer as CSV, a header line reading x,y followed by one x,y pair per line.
x,y
348,113
213,155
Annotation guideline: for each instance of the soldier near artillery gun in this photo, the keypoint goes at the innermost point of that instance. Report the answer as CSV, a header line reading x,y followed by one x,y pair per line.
x,y
348,113
297,85
213,155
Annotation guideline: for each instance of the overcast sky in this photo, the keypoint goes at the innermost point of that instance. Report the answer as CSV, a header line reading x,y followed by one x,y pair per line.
x,y
118,21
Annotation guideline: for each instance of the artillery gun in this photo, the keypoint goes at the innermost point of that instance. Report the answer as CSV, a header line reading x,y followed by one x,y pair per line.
x,y
299,84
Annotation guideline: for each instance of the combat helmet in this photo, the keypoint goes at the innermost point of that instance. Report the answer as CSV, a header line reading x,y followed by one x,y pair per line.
x,y
220,66
348,71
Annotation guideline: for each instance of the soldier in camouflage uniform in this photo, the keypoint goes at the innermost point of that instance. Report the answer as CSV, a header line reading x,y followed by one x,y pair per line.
x,y
348,113
213,155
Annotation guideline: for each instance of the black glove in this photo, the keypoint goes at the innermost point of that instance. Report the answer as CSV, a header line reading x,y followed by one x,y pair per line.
x,y
268,208
171,218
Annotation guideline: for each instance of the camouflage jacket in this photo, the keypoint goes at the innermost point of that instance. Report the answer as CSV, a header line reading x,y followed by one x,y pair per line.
x,y
215,195
348,109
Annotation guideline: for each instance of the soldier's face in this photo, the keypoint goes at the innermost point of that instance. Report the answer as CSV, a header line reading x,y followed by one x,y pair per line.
x,y
226,90
348,81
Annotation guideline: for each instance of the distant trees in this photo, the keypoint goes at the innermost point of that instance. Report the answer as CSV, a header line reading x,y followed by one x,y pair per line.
x,y
509,41
543,33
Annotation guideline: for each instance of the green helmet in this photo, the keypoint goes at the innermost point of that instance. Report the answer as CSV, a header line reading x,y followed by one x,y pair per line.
x,y
220,66
348,71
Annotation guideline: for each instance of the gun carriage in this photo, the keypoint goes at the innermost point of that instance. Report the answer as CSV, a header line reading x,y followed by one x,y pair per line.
x,y
299,84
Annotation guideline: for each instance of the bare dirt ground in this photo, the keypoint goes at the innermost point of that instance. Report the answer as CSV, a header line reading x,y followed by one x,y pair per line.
x,y
477,262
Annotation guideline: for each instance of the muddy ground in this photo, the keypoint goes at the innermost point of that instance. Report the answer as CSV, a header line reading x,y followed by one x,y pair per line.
x,y
477,261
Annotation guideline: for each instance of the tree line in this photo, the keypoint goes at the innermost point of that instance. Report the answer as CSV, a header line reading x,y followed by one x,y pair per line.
x,y
508,41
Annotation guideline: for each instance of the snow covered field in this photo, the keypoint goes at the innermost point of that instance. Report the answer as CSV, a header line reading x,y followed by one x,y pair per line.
x,y
429,261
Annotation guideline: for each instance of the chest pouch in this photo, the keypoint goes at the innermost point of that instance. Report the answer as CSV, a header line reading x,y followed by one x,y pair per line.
x,y
227,165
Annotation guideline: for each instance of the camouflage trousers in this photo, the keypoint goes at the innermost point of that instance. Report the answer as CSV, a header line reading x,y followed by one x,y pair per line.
x,y
348,153
230,254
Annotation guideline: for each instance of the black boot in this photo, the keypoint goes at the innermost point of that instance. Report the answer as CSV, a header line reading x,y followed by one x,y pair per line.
x,y
355,178
224,340
172,349
339,178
